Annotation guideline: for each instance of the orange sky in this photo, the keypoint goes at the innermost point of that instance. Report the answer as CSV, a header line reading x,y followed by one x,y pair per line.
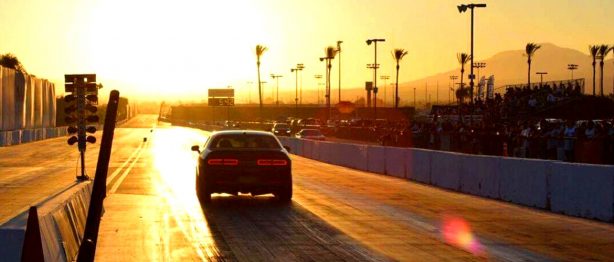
x,y
178,49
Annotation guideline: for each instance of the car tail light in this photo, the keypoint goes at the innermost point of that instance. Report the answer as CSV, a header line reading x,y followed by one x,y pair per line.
x,y
272,162
222,162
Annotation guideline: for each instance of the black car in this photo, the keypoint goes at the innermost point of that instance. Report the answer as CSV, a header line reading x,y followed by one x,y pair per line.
x,y
237,161
281,129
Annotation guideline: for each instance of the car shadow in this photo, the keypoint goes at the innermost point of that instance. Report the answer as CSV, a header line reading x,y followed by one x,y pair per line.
x,y
264,229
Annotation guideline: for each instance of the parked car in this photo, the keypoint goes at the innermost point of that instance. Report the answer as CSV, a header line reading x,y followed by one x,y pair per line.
x,y
313,134
281,129
230,124
309,122
241,161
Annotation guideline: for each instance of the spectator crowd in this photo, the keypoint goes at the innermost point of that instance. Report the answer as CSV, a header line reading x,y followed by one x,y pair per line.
x,y
506,126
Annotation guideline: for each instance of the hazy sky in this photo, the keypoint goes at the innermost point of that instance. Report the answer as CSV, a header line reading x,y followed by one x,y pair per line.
x,y
181,48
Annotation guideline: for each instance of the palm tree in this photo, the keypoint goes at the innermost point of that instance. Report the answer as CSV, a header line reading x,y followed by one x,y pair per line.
x,y
260,49
397,54
594,51
330,52
9,60
462,93
603,52
463,58
530,50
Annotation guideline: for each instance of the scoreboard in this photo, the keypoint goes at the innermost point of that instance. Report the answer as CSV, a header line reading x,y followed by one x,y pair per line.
x,y
221,97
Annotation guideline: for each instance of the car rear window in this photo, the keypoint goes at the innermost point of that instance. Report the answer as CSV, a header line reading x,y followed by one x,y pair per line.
x,y
244,141
281,126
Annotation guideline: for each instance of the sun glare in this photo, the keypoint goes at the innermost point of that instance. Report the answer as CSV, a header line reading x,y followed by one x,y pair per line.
x,y
176,49
457,232
175,163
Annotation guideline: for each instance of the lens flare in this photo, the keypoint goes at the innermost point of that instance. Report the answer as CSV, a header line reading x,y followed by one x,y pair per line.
x,y
457,232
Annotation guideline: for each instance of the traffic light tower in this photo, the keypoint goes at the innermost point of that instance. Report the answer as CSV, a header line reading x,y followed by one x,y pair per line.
x,y
80,109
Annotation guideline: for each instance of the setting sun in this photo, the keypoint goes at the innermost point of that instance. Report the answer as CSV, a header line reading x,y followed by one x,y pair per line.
x,y
177,50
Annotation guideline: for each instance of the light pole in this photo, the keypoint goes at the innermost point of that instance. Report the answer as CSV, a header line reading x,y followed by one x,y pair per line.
x,y
450,92
385,78
437,93
276,77
249,92
541,77
339,52
300,92
479,65
453,78
325,60
369,100
414,98
394,103
572,67
298,67
330,55
426,94
461,9
318,77
369,41
262,85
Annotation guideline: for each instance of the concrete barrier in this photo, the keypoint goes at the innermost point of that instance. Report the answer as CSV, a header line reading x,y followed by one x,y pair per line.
x,y
480,175
524,181
61,220
307,145
418,165
5,138
51,132
298,144
289,143
582,190
326,152
16,137
376,159
446,169
283,140
62,131
395,161
40,133
315,149
353,156
294,146
27,136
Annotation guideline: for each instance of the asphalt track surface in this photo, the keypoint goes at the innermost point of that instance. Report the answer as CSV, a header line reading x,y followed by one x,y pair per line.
x,y
337,214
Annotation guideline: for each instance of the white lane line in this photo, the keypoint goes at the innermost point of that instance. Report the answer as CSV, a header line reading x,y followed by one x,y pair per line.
x,y
195,231
125,174
118,170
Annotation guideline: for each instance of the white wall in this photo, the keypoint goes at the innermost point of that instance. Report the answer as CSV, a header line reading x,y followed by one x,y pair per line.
x,y
25,101
580,190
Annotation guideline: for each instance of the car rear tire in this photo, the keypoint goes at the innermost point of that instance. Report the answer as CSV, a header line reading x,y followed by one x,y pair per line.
x,y
201,192
206,198
284,195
